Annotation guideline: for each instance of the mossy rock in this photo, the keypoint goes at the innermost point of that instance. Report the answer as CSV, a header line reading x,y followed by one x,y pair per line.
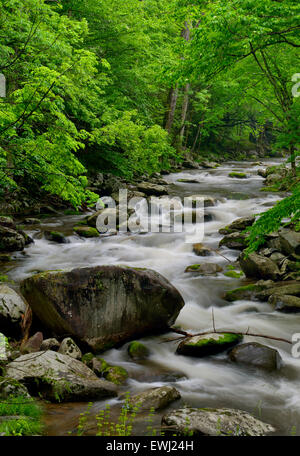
x,y
246,292
87,359
86,231
210,344
137,350
115,374
238,175
56,236
204,269
232,273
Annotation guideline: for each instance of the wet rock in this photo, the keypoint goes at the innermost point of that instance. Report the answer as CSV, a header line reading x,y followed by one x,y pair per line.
x,y
205,268
10,387
7,221
210,344
103,306
137,350
50,344
208,421
209,164
155,398
68,347
262,173
255,265
235,241
285,303
152,189
98,366
208,201
12,309
116,374
256,355
278,289
248,292
56,236
242,223
33,344
58,377
289,241
188,181
189,164
31,221
86,231
237,175
10,240
200,250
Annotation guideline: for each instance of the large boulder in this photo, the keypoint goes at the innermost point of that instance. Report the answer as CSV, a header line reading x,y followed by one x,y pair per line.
x,y
68,347
214,422
290,241
209,344
103,306
255,265
58,377
11,240
155,398
257,355
238,225
152,189
285,303
12,309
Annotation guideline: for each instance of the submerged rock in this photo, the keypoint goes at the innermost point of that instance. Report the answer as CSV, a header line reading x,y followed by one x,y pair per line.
x,y
210,344
155,398
12,309
256,355
58,377
105,305
208,421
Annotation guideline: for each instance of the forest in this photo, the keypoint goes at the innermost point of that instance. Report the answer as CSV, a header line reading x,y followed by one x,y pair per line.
x,y
162,98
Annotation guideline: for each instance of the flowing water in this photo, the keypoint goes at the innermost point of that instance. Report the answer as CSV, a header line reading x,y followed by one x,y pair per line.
x,y
212,381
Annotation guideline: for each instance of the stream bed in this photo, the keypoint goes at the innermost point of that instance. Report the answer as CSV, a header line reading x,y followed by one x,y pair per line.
x,y
207,382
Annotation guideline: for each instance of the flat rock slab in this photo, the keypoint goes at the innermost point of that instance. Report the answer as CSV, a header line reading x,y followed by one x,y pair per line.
x,y
58,377
213,422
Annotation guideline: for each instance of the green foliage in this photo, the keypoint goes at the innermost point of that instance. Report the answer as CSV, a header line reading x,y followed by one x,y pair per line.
x,y
271,220
28,413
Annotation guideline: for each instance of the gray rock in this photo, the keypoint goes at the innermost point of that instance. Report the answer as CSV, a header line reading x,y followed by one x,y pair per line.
x,y
68,347
7,221
10,240
279,289
257,355
155,398
33,344
59,377
200,250
235,241
50,344
255,265
204,268
10,386
215,422
12,309
289,241
105,305
56,236
285,303
152,189
242,223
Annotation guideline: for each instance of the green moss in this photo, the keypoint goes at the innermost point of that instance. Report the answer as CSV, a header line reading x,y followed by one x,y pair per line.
x,y
72,212
238,175
136,350
193,267
116,374
225,338
87,232
233,274
242,292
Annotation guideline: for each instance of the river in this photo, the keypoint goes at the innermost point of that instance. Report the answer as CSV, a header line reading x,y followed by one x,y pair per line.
x,y
213,381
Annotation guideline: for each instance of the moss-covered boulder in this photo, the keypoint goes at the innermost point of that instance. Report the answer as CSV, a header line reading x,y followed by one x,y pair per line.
x,y
86,231
11,240
245,292
204,268
12,310
103,306
210,344
116,374
137,350
236,175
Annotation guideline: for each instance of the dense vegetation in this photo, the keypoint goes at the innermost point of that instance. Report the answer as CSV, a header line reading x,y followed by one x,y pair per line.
x,y
132,87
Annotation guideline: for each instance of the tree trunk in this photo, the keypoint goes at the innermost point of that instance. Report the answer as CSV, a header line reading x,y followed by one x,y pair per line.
x,y
173,96
293,160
